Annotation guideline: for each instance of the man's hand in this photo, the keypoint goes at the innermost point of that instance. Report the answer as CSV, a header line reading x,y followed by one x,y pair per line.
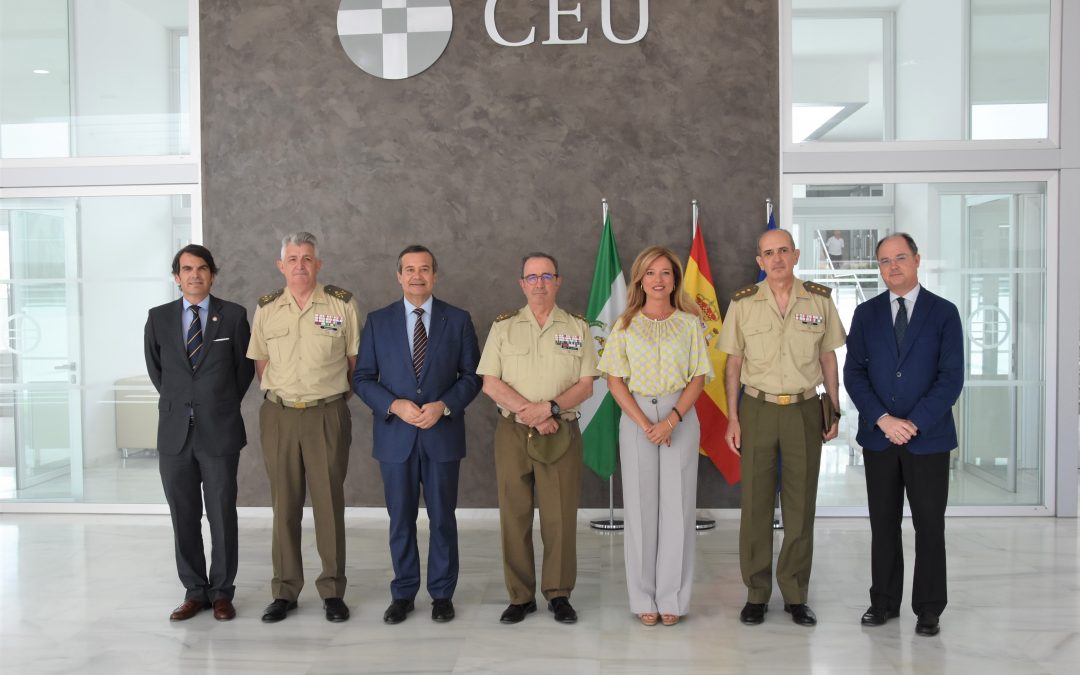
x,y
548,426
898,431
430,414
832,433
532,414
406,411
733,436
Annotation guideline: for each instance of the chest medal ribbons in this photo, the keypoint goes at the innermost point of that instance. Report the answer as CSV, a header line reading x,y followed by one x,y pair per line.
x,y
572,342
809,319
329,321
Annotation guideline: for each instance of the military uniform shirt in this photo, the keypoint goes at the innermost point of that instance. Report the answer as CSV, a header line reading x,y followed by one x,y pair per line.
x,y
306,350
781,353
657,357
539,363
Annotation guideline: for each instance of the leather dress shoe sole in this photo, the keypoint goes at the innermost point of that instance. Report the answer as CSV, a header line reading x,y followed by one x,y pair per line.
x,y
927,626
336,610
801,614
516,613
753,613
224,610
878,617
442,611
188,609
398,611
278,610
563,610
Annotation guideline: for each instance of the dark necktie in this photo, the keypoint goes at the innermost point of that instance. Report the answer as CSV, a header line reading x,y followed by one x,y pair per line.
x,y
419,342
900,325
194,337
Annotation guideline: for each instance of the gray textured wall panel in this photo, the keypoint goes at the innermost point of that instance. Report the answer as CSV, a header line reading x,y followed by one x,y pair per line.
x,y
490,153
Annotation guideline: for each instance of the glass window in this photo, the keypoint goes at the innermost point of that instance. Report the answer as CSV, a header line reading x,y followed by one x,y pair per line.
x,y
78,415
923,70
93,78
982,246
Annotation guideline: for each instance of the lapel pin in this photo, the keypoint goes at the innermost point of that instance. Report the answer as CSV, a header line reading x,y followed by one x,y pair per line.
x,y
213,318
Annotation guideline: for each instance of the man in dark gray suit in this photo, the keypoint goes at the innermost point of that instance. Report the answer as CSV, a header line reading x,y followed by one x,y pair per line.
x,y
195,354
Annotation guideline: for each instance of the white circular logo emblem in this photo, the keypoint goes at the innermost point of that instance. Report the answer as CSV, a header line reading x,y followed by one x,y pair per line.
x,y
394,39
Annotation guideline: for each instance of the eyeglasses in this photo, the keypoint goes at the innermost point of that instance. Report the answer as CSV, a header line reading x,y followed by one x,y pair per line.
x,y
899,260
534,279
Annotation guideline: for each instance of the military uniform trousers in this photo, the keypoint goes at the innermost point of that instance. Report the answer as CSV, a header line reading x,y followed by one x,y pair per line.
x,y
791,436
190,479
557,492
307,446
659,508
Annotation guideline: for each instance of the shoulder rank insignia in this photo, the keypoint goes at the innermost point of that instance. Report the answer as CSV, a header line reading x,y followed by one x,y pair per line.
x,y
580,317
270,297
744,292
817,289
339,293
504,316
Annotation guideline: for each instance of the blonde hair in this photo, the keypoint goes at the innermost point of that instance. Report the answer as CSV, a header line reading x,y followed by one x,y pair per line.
x,y
635,295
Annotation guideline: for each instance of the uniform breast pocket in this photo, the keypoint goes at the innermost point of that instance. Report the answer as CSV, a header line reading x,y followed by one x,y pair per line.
x,y
330,347
758,343
514,361
808,339
277,343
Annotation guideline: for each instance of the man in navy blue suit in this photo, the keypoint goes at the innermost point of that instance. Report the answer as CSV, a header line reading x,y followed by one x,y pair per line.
x,y
904,371
416,370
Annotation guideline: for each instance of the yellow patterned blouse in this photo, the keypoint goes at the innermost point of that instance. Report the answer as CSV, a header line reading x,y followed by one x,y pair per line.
x,y
657,357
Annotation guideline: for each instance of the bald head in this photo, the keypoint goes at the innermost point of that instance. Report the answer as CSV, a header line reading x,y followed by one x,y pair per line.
x,y
774,233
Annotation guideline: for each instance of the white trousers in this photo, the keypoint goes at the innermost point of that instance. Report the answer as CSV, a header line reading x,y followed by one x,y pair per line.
x,y
659,509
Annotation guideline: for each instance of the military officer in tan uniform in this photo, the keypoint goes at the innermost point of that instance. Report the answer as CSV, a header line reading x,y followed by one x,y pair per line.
x,y
538,366
304,341
780,335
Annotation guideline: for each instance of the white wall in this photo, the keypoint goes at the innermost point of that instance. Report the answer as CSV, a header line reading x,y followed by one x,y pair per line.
x,y
929,81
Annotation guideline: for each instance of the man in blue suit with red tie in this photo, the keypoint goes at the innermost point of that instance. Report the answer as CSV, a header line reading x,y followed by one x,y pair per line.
x,y
416,370
904,371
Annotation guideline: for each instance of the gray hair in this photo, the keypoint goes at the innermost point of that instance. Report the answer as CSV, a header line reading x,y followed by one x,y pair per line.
x,y
539,254
299,239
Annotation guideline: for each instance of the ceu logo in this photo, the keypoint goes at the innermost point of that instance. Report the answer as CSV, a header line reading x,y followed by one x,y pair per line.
x,y
394,39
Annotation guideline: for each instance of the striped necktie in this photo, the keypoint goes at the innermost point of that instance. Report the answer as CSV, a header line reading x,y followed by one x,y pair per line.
x,y
900,324
194,337
419,342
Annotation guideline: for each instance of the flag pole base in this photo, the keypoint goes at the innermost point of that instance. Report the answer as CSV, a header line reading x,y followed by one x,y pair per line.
x,y
606,524
704,524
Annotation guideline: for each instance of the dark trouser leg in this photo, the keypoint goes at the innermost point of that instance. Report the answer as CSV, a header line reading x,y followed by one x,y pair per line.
x,y
324,442
885,499
280,429
800,463
927,480
760,444
401,487
514,475
181,479
558,488
440,481
219,494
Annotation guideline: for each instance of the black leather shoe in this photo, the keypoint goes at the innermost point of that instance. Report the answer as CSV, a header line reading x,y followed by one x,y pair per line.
x,y
753,613
801,614
277,610
564,612
877,616
516,613
442,610
336,610
927,625
397,611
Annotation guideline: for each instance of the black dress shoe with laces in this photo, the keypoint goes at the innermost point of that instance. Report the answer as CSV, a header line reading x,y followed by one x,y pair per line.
x,y
442,610
801,614
753,613
877,616
516,613
336,610
278,610
564,612
927,625
397,611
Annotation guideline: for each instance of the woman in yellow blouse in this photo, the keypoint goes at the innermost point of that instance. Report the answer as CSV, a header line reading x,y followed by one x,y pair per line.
x,y
657,364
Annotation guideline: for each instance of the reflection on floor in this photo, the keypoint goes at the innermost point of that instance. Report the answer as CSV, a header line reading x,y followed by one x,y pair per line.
x,y
91,594
842,483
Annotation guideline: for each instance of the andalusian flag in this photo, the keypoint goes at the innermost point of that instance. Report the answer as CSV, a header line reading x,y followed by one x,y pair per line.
x,y
711,406
599,413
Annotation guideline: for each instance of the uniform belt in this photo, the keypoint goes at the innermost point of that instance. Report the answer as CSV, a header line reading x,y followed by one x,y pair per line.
x,y
780,399
566,416
300,405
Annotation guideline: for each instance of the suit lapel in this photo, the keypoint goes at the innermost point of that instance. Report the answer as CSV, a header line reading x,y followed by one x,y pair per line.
x,y
398,317
211,327
176,326
435,334
925,301
883,319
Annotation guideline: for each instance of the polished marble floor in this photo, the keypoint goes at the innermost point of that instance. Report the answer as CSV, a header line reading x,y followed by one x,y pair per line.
x,y
91,594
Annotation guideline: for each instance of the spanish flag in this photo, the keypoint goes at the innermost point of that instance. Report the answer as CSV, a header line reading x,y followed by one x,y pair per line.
x,y
711,406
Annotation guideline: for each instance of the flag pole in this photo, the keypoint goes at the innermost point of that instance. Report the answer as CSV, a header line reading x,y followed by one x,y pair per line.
x,y
610,524
699,523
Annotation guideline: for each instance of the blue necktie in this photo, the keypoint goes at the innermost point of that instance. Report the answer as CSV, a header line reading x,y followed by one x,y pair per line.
x,y
194,337
900,325
419,342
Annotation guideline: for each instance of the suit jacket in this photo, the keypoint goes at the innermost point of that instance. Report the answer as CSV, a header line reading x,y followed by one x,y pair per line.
x,y
920,383
213,390
384,372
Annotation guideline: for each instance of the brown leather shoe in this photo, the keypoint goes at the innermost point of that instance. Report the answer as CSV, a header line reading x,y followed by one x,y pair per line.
x,y
224,610
188,609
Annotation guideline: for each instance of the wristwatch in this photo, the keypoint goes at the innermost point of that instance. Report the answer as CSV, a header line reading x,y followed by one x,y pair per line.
x,y
555,409
445,410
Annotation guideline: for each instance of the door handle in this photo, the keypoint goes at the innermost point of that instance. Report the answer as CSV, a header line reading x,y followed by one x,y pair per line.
x,y
70,365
